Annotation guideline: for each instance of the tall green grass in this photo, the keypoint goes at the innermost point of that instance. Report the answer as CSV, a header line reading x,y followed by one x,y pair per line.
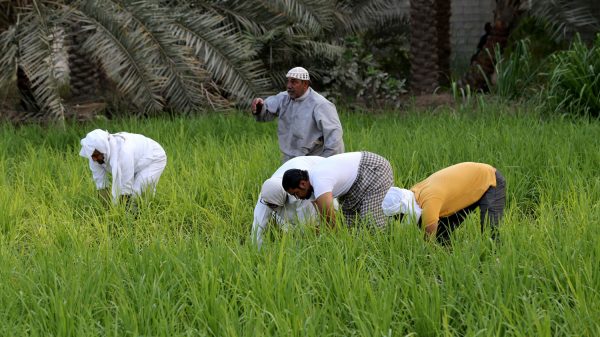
x,y
574,81
564,83
184,266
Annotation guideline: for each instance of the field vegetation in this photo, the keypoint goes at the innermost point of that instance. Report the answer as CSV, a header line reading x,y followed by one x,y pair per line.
x,y
184,264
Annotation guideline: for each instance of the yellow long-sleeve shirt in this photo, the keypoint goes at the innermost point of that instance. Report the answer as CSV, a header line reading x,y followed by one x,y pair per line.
x,y
451,189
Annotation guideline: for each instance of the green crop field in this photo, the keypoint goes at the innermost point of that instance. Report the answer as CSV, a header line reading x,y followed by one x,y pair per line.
x,y
185,266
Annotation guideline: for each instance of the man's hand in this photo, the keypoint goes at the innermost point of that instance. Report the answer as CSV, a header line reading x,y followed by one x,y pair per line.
x,y
257,105
325,206
430,231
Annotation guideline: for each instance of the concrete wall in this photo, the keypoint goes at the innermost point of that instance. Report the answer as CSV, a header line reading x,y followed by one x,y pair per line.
x,y
469,17
466,27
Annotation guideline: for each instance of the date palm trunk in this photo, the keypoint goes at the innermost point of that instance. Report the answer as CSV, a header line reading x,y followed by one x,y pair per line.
x,y
443,13
84,74
429,44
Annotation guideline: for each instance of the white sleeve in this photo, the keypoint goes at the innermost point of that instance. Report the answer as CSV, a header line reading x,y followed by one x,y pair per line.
x,y
98,174
271,108
322,185
307,212
262,214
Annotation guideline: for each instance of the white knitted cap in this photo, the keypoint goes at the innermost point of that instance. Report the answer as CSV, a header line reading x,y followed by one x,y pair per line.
x,y
299,73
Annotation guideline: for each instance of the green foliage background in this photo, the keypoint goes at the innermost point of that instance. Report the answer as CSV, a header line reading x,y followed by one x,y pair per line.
x,y
69,266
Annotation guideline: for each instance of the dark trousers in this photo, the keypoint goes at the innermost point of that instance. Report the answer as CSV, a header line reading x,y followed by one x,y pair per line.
x,y
491,206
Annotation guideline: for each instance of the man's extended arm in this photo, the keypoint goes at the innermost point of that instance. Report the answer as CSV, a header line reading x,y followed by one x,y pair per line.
x,y
266,110
429,218
324,204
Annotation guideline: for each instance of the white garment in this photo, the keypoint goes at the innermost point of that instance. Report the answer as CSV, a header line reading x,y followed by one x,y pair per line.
x,y
293,211
287,217
399,200
135,162
335,174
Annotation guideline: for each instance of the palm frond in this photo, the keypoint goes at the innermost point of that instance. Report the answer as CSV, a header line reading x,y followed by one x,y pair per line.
x,y
316,16
185,76
365,14
38,61
564,16
324,49
248,16
121,48
8,59
227,55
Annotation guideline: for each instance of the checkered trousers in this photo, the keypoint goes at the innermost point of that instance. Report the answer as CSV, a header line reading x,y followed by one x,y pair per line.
x,y
364,199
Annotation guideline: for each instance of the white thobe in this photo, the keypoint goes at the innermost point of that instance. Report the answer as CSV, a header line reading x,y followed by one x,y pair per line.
x,y
136,163
294,211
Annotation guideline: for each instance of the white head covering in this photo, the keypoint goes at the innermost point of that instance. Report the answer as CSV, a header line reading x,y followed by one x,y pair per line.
x,y
398,200
299,73
95,140
272,192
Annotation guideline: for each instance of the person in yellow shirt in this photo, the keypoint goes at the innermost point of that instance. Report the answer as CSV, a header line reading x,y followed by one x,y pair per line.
x,y
441,202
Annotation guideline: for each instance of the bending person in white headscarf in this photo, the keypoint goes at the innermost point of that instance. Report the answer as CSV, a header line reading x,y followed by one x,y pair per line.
x,y
401,202
134,161
274,202
442,201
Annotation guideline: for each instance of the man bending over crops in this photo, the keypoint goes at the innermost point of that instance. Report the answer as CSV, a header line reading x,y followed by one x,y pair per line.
x,y
359,179
308,123
441,202
274,202
134,161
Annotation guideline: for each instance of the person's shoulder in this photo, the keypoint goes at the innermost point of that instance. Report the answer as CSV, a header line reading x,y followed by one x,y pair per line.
x,y
319,99
315,95
281,95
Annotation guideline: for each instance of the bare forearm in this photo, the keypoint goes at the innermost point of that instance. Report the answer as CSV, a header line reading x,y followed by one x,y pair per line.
x,y
325,206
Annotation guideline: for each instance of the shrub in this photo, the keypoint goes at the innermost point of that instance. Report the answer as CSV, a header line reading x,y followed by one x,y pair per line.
x,y
362,77
516,72
573,85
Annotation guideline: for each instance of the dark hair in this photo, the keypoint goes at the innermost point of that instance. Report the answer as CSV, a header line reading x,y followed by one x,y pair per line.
x,y
487,27
292,177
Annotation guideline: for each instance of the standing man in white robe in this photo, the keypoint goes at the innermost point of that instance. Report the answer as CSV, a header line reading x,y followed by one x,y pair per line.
x,y
134,161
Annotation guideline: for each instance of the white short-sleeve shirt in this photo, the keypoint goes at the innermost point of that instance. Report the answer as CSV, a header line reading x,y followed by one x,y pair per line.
x,y
335,174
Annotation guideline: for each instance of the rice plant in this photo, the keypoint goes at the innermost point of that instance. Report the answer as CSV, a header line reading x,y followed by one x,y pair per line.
x,y
184,264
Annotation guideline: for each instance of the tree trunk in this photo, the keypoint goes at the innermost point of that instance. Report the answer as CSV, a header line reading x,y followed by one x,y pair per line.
x,y
482,67
423,47
443,10
429,44
84,74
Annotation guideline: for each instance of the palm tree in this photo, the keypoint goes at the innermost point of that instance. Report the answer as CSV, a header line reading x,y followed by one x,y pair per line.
x,y
429,44
443,10
185,55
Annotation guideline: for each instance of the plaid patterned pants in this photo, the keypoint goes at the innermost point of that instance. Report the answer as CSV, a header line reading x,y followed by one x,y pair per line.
x,y
374,179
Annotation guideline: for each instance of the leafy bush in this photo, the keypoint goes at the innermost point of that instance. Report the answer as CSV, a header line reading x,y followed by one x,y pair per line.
x,y
359,78
574,80
518,69
517,72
